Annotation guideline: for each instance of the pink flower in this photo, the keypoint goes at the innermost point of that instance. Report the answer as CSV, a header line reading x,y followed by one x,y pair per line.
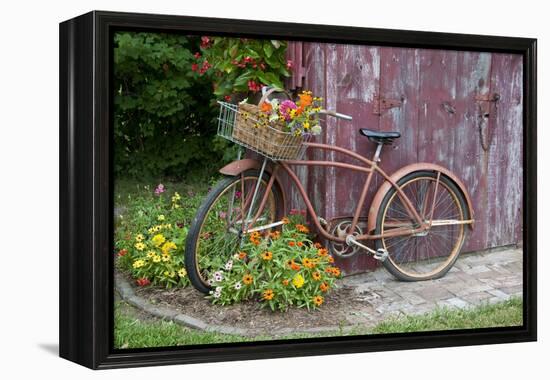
x,y
285,108
205,42
160,189
289,64
194,67
143,281
254,86
237,194
197,55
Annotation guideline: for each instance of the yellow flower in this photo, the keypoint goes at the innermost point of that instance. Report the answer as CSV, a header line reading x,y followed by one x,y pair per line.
x,y
140,246
267,255
247,279
165,257
176,197
138,263
306,125
158,239
151,254
156,258
160,218
139,237
292,114
318,300
182,272
268,294
168,246
298,281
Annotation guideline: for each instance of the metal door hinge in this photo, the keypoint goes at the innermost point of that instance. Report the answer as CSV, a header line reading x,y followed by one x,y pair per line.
x,y
382,104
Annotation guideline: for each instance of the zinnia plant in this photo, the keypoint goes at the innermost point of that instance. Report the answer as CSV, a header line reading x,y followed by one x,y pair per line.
x,y
149,241
279,269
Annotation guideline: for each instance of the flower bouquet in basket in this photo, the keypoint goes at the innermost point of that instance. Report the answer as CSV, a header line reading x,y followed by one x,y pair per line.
x,y
277,128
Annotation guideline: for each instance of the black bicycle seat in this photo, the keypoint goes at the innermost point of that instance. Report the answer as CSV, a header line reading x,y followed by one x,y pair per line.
x,y
380,137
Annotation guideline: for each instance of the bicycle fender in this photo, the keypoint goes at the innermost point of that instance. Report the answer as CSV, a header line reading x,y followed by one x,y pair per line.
x,y
395,177
235,168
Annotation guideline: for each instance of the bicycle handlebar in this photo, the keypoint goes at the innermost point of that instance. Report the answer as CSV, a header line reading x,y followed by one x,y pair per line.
x,y
336,114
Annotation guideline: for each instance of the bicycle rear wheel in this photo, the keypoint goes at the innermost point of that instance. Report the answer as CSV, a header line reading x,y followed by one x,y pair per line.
x,y
430,254
215,234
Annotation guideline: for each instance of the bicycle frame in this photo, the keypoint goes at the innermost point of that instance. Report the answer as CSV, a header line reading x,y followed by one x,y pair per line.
x,y
369,167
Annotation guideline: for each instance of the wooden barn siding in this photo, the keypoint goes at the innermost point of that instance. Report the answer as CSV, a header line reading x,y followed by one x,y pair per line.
x,y
439,119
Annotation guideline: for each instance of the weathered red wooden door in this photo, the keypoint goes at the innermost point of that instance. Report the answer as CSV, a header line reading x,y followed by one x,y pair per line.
x,y
461,110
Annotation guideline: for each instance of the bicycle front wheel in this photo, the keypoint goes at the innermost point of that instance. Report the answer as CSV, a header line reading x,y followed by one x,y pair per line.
x,y
432,253
215,234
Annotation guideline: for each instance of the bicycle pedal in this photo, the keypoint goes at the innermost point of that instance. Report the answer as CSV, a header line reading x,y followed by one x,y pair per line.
x,y
381,254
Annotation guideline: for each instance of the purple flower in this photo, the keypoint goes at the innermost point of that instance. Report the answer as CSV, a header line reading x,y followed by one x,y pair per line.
x,y
237,194
160,189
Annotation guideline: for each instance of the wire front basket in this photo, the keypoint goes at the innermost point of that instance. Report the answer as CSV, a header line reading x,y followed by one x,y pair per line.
x,y
239,123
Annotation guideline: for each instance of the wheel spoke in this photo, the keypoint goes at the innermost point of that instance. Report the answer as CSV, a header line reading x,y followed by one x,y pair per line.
x,y
426,254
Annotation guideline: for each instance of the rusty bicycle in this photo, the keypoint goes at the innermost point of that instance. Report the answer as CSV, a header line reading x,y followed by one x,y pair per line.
x,y
417,219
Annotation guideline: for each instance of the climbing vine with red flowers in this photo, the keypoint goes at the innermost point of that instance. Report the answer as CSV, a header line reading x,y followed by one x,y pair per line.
x,y
240,65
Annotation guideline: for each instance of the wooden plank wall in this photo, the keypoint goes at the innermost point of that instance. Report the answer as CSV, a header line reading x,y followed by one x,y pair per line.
x,y
445,117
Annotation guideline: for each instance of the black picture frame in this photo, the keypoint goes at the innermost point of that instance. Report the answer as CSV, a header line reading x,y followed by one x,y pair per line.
x,y
86,190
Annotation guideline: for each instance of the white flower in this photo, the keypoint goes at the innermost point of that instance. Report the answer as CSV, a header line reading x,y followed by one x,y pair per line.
x,y
236,256
218,276
219,289
217,295
238,285
316,130
229,265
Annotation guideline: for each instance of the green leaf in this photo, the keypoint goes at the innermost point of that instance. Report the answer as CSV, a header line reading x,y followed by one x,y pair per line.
x,y
268,49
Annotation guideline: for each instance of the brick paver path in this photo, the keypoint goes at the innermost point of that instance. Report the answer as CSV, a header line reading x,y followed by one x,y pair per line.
x,y
475,279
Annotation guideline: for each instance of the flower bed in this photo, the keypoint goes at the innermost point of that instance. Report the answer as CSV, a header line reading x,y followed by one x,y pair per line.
x,y
279,269
150,237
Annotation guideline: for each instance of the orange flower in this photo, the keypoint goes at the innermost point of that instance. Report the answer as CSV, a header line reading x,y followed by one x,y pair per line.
x,y
302,228
247,279
242,255
308,263
322,252
318,300
317,245
305,99
316,276
275,235
267,255
255,235
333,270
300,244
291,243
268,294
324,287
285,282
285,220
331,259
266,107
295,266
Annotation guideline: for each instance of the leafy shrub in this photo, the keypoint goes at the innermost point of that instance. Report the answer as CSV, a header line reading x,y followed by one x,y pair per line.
x,y
164,119
281,269
150,237
242,65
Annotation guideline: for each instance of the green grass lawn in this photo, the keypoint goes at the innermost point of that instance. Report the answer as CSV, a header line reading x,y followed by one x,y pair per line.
x,y
134,332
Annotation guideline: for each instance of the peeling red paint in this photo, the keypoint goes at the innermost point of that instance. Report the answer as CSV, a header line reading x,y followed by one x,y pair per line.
x,y
436,99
